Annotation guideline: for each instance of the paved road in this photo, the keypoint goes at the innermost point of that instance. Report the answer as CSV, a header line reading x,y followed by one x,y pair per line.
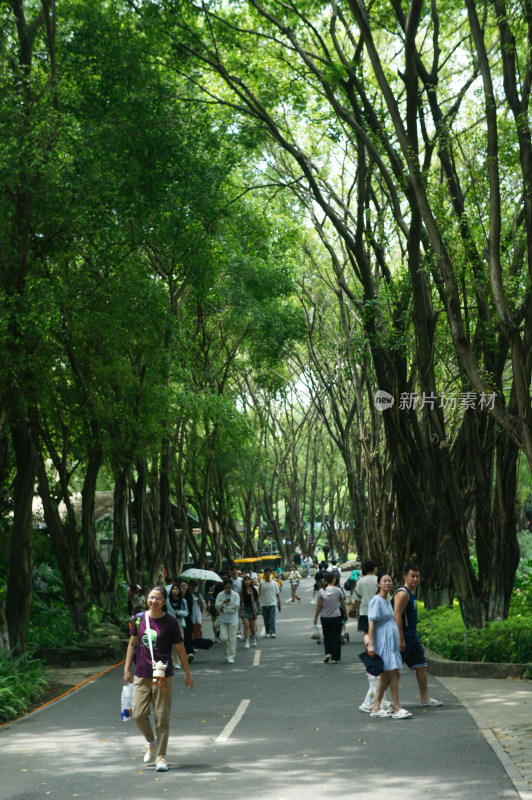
x,y
299,734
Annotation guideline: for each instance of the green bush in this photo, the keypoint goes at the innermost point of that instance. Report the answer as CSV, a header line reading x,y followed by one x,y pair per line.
x,y
442,631
22,683
521,603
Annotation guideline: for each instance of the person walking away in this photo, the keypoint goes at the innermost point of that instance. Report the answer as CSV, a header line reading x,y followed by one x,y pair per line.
x,y
355,575
405,611
227,605
249,610
336,571
366,588
318,580
270,599
383,639
330,606
165,635
294,578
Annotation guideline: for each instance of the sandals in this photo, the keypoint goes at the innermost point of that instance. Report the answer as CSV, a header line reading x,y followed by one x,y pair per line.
x,y
431,702
401,714
381,713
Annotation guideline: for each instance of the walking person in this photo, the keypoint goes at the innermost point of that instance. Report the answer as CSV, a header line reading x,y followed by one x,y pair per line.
x,y
216,588
412,652
294,578
249,610
331,606
366,588
228,605
161,630
198,606
237,586
188,626
383,639
270,600
318,580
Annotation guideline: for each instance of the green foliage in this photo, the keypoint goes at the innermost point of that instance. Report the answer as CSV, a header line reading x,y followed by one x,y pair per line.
x,y
521,603
50,625
442,631
22,683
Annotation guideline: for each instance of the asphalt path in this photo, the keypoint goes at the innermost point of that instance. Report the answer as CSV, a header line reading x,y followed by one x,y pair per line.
x,y
279,724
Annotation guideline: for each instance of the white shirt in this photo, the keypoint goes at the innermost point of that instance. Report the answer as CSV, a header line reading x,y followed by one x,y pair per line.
x,y
228,610
268,593
366,588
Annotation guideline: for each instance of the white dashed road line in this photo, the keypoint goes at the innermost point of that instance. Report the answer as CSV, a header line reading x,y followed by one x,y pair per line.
x,y
231,725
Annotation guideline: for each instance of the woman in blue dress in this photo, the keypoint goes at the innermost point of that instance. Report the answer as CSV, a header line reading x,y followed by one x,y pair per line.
x,y
384,639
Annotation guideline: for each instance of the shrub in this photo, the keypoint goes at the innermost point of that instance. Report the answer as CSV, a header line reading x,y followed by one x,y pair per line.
x,y
442,631
22,682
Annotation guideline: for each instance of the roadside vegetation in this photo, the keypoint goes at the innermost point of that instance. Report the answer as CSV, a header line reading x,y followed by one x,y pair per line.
x,y
442,630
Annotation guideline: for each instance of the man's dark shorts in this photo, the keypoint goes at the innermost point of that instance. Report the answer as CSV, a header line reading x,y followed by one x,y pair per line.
x,y
414,655
363,623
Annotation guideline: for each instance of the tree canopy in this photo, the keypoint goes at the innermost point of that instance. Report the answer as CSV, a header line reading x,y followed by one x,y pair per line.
x,y
227,229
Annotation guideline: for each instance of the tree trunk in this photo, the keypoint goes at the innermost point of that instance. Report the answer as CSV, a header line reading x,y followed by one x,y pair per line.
x,y
19,579
93,558
66,548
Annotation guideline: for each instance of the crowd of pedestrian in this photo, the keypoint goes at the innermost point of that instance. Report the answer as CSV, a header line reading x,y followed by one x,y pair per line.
x,y
166,628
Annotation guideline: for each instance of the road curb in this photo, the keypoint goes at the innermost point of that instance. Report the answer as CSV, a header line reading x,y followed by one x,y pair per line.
x,y
445,668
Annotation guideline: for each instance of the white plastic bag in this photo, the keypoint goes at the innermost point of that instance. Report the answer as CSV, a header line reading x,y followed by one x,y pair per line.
x,y
315,632
126,701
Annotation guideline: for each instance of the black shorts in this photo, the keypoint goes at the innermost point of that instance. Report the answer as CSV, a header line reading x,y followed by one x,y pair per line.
x,y
363,623
414,655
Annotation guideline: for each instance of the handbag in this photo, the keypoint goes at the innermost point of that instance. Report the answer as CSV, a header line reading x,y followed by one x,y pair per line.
x,y
374,664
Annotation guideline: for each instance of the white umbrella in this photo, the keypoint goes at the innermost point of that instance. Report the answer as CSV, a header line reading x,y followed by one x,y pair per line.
x,y
201,574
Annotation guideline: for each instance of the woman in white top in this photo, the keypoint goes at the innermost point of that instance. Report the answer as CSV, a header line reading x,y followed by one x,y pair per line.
x,y
331,604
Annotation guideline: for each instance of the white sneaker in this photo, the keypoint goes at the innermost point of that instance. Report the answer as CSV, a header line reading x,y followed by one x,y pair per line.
x,y
273,636
161,765
149,755
366,707
246,643
253,641
230,660
313,602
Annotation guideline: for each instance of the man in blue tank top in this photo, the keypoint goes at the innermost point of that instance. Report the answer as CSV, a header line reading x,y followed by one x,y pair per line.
x,y
405,612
